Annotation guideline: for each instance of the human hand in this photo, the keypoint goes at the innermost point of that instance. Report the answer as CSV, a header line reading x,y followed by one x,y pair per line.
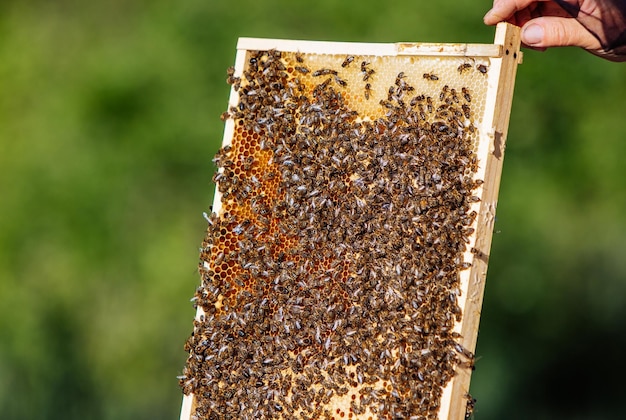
x,y
595,25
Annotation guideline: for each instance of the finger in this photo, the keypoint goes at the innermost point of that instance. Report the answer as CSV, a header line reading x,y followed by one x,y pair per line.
x,y
503,10
548,31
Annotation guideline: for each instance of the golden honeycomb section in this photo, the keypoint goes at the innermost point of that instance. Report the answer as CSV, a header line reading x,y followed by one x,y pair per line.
x,y
365,89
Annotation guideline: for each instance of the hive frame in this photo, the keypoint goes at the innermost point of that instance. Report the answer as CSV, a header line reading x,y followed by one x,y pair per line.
x,y
504,55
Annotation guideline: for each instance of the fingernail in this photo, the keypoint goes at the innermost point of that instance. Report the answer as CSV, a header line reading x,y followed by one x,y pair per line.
x,y
487,16
533,34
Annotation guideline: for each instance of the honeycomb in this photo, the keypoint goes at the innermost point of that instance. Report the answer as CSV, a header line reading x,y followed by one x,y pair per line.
x,y
344,216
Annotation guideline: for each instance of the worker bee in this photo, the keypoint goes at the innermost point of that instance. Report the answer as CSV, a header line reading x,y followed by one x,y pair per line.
x,y
349,59
464,67
469,406
454,96
302,69
299,58
324,72
431,76
443,92
466,110
399,78
368,90
319,88
368,74
466,94
341,82
482,68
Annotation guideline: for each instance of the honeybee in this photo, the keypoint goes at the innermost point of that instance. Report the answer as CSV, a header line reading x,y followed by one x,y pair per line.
x,y
349,59
463,67
431,76
482,68
399,78
324,72
466,110
466,94
469,407
341,82
368,74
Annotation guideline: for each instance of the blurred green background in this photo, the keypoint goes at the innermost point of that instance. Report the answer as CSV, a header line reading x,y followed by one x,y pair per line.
x,y
109,118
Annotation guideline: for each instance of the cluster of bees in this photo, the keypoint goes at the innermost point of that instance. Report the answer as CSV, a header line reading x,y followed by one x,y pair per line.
x,y
331,273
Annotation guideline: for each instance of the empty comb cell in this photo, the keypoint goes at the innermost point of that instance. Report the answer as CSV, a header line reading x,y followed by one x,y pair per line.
x,y
344,263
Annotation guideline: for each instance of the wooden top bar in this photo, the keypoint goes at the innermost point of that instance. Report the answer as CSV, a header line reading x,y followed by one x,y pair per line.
x,y
380,49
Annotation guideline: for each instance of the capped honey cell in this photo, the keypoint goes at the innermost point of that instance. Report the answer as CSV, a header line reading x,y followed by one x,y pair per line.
x,y
352,191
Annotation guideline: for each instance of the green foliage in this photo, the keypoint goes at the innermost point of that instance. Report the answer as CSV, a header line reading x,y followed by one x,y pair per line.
x,y
109,117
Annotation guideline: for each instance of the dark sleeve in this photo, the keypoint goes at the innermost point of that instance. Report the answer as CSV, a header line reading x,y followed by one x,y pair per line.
x,y
609,28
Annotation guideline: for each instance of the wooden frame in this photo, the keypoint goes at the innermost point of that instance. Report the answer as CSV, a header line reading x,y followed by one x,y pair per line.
x,y
503,57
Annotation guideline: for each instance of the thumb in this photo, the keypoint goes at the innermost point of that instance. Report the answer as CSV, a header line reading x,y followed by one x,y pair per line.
x,y
548,31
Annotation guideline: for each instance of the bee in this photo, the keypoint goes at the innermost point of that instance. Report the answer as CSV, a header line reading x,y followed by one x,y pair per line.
x,y
469,407
386,104
454,96
390,93
368,74
431,76
399,78
302,69
466,94
319,88
349,59
464,67
274,54
422,114
364,65
324,72
429,104
368,90
341,82
466,110
247,164
299,58
443,92
482,68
